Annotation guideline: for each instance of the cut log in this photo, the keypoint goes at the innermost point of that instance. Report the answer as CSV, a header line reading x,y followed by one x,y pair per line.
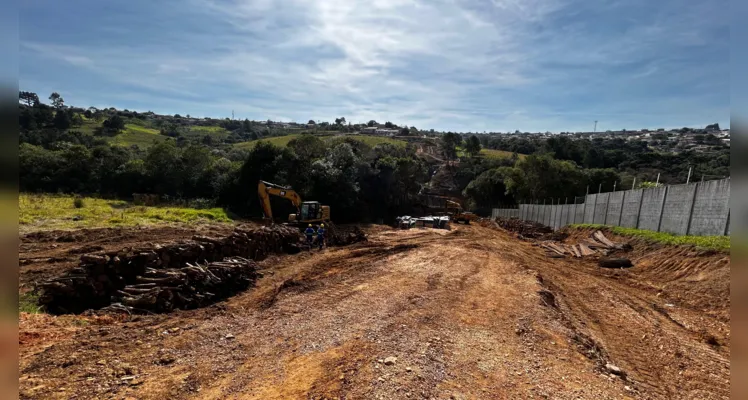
x,y
585,250
576,251
615,263
602,239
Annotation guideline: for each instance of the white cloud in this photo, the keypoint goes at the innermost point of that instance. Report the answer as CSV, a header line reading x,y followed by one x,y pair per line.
x,y
447,64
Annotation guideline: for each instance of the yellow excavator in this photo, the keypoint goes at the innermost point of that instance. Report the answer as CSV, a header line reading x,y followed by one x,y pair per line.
x,y
307,211
455,211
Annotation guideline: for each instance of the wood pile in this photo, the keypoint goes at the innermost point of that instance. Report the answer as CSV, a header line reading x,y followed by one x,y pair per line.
x,y
526,229
193,286
102,278
597,244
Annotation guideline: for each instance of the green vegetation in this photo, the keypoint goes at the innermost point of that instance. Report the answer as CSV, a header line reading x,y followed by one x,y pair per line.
x,y
43,211
28,302
282,141
720,243
137,135
491,153
279,141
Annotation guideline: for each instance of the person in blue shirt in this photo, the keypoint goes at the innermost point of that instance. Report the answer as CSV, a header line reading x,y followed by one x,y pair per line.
x,y
321,235
309,232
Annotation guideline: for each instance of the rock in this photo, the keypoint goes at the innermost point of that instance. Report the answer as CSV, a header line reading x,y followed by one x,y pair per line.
x,y
381,379
613,369
380,361
166,359
408,369
229,336
390,360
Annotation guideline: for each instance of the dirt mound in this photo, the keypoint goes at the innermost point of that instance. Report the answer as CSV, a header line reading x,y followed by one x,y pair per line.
x,y
102,276
682,274
524,229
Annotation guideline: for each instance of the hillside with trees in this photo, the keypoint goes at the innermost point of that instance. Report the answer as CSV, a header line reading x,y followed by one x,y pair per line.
x,y
115,153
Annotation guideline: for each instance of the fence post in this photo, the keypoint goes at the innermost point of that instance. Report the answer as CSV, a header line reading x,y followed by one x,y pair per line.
x,y
543,217
575,210
623,202
727,223
639,213
584,209
594,208
662,209
690,212
607,204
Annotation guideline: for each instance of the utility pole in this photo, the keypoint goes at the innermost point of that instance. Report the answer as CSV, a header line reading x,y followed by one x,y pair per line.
x,y
595,130
657,184
614,185
633,185
232,115
689,175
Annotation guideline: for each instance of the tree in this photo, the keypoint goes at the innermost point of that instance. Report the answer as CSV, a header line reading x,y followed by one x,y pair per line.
x,y
311,122
389,125
57,100
371,123
488,189
340,121
449,143
114,124
62,120
31,99
712,127
472,146
307,147
405,131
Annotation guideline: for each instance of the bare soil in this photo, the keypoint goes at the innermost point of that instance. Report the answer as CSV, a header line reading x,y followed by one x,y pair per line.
x,y
468,313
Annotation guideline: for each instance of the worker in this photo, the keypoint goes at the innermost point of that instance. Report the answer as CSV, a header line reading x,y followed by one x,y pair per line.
x,y
321,235
309,232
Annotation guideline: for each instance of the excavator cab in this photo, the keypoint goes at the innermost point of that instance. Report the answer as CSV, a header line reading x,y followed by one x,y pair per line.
x,y
310,210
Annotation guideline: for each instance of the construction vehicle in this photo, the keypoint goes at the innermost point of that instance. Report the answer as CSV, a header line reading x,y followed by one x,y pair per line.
x,y
455,211
307,212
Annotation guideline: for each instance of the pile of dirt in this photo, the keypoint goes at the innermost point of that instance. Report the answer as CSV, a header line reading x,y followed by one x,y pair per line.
x,y
102,277
344,235
525,229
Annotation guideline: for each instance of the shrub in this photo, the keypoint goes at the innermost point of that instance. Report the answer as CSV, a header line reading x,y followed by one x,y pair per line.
x,y
78,202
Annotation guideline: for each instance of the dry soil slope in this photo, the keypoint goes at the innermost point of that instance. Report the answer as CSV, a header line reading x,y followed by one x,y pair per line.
x,y
468,313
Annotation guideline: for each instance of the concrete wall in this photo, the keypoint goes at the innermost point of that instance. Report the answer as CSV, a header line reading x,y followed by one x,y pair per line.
x,y
614,208
712,204
589,208
696,209
600,210
649,217
675,214
630,217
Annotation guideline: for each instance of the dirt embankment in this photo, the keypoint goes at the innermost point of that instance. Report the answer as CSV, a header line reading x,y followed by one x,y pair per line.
x,y
422,313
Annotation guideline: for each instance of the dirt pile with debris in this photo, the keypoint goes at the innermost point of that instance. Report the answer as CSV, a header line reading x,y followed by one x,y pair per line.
x,y
468,313
523,229
162,277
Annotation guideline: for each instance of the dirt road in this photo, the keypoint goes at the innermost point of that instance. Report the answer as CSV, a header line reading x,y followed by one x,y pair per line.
x,y
466,313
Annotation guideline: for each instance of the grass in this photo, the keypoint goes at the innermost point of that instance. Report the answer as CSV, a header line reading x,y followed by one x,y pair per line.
x,y
47,211
375,140
29,303
138,135
720,243
491,153
282,141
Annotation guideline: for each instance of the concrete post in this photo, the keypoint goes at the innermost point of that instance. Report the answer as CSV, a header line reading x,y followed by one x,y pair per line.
x,y
662,209
594,208
690,212
607,204
623,202
727,223
639,213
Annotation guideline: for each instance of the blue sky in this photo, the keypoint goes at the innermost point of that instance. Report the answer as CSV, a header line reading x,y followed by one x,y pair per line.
x,y
493,65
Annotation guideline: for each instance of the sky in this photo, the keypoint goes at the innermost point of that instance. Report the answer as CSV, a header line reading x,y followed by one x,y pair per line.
x,y
457,65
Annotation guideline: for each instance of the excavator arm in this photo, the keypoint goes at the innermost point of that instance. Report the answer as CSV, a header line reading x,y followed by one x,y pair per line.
x,y
265,189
